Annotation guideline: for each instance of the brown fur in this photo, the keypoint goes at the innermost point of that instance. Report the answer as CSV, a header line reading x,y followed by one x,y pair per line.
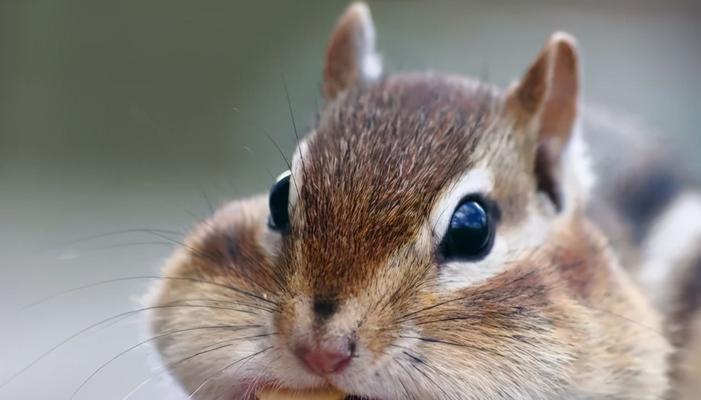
x,y
388,151
563,321
560,320
689,369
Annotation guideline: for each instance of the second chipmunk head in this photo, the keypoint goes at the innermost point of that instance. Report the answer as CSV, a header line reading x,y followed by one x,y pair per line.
x,y
428,242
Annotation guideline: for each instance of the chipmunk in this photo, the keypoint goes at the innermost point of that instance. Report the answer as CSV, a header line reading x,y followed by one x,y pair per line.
x,y
435,238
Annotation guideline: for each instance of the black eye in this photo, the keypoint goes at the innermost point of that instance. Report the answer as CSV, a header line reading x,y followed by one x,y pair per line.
x,y
278,201
470,233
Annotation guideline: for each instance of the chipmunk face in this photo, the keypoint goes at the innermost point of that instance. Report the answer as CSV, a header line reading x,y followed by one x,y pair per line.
x,y
427,243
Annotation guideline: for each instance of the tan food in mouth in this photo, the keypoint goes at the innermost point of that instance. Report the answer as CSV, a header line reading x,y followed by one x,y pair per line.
x,y
281,394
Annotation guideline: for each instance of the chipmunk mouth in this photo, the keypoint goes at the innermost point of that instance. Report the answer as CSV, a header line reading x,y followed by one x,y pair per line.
x,y
324,394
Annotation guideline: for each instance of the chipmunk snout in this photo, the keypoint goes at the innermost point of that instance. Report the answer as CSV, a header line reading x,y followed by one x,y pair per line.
x,y
325,356
323,335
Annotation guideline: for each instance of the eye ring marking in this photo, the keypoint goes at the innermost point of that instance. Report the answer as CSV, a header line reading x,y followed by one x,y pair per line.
x,y
471,230
278,203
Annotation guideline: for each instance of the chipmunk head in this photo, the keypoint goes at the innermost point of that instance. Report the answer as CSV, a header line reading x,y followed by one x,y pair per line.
x,y
426,243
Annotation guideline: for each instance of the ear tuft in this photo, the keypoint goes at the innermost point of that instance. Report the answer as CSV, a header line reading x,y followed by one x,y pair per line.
x,y
560,109
545,102
350,56
549,91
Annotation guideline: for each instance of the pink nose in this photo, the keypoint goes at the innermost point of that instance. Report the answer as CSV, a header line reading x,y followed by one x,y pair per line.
x,y
324,359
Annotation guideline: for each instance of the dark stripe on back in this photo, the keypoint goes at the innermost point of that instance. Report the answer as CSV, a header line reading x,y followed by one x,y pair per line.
x,y
645,194
689,302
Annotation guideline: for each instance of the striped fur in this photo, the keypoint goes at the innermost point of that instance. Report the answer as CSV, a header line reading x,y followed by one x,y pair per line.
x,y
556,309
650,207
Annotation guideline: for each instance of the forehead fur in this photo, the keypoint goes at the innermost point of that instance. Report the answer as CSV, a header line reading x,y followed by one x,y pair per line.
x,y
377,160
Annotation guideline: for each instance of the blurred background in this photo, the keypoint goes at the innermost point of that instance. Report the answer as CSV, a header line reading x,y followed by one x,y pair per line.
x,y
124,116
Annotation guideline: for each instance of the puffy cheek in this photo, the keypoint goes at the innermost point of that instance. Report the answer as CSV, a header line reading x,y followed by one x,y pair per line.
x,y
506,332
216,364
197,343
484,363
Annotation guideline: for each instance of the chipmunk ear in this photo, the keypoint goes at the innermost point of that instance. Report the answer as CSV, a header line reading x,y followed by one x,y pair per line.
x,y
545,104
350,55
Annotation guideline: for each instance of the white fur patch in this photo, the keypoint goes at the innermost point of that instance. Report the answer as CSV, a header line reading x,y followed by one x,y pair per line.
x,y
674,237
370,63
300,154
578,176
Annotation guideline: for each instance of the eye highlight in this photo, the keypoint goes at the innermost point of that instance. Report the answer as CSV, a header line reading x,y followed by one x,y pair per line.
x,y
278,202
470,233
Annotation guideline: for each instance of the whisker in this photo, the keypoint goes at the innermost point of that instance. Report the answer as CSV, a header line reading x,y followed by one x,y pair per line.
x,y
95,325
224,301
210,205
431,380
279,150
417,313
292,118
156,337
143,277
258,377
289,105
191,249
405,317
251,152
208,379
115,233
408,373
218,346
287,162
438,341
123,245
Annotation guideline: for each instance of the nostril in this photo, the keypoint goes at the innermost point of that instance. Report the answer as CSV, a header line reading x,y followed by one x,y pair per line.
x,y
325,358
324,308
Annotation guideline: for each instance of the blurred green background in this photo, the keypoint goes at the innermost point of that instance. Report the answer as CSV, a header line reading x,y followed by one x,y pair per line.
x,y
126,115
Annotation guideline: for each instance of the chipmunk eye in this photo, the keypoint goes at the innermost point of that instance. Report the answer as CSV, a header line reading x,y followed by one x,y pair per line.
x,y
278,201
470,234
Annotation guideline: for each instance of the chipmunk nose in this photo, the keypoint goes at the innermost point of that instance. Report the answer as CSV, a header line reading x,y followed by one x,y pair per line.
x,y
326,358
